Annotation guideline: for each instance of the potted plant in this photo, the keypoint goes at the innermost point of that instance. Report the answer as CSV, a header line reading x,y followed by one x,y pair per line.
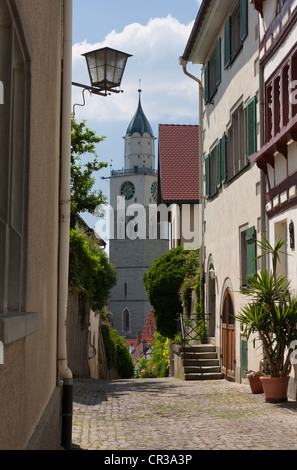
x,y
254,380
272,314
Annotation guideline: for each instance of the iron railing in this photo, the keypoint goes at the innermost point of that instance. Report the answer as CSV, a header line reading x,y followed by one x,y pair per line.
x,y
137,170
188,327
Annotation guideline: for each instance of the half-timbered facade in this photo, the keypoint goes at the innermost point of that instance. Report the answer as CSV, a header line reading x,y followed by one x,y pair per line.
x,y
277,155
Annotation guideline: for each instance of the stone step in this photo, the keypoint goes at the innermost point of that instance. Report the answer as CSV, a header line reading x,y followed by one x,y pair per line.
x,y
201,348
197,355
201,362
204,376
197,369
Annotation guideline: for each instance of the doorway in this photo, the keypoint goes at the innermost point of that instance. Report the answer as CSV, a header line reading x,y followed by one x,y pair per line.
x,y
228,336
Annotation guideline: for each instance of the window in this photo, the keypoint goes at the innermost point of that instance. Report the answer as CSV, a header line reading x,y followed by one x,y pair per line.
x,y
215,168
251,126
221,161
14,133
126,320
211,173
280,233
236,30
279,105
236,143
232,152
15,321
248,254
212,73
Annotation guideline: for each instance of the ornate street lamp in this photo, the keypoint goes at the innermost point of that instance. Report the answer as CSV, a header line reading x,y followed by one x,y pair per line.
x,y
106,68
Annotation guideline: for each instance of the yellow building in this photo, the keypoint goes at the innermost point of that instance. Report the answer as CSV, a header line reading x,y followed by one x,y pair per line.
x,y
35,68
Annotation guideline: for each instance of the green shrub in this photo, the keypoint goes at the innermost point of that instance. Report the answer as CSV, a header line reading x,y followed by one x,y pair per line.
x,y
163,281
90,270
117,353
158,365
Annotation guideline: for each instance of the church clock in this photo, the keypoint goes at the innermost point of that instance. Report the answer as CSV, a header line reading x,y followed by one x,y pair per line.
x,y
128,190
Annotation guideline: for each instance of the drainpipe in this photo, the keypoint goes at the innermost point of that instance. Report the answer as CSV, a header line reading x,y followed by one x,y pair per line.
x,y
262,175
64,227
184,63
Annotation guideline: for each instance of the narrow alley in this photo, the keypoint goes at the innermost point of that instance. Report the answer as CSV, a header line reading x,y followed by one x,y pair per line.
x,y
169,414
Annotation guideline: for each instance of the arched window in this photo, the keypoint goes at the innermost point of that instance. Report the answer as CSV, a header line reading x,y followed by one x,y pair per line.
x,y
126,320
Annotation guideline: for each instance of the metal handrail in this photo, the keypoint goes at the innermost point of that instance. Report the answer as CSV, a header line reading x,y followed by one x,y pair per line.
x,y
187,333
135,171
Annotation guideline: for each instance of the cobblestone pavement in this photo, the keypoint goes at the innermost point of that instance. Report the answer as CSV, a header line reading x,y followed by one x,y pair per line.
x,y
169,414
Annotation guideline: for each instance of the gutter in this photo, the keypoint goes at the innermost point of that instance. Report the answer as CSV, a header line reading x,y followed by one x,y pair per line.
x,y
64,227
183,62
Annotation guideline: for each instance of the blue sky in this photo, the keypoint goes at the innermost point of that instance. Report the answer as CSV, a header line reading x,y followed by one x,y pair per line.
x,y
155,33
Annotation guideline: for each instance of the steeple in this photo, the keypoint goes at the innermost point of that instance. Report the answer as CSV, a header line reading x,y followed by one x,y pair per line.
x,y
139,122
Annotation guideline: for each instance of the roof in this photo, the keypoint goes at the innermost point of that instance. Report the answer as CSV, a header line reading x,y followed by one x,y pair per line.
x,y
178,163
197,24
139,123
143,344
89,231
205,29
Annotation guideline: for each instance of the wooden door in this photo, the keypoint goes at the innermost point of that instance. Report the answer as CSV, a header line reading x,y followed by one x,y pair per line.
x,y
228,336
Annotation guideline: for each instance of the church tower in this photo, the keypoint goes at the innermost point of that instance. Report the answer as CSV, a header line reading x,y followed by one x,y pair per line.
x,y
135,242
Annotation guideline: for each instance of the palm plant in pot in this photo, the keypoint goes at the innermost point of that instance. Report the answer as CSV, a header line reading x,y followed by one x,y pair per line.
x,y
271,313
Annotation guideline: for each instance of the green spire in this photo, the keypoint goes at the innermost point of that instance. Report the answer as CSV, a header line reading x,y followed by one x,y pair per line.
x,y
139,122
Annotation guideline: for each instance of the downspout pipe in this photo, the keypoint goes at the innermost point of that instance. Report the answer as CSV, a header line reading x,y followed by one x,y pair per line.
x,y
183,62
65,374
262,174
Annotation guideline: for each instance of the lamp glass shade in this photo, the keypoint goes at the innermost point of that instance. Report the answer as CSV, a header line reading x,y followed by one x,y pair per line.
x,y
106,67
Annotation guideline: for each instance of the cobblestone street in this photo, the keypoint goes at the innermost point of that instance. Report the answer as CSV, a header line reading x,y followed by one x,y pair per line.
x,y
169,414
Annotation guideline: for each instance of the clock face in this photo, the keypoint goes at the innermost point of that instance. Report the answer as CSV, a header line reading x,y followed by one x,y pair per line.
x,y
128,189
154,190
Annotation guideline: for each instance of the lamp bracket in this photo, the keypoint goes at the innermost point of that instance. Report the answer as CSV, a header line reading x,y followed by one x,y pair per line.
x,y
93,91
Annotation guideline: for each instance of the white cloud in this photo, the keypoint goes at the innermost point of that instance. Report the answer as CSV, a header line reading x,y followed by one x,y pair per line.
x,y
167,92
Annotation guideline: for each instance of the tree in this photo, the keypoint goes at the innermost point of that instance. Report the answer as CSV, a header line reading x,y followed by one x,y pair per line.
x,y
163,281
89,266
83,146
90,270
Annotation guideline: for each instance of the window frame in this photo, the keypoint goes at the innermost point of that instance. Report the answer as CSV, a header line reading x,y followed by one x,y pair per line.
x,y
237,22
212,73
236,152
248,253
15,321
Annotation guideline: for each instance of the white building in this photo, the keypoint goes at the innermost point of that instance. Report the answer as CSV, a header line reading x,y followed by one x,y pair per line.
x,y
225,42
135,243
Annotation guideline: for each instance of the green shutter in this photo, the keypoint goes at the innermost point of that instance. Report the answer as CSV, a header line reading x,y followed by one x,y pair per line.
x,y
243,19
244,358
251,252
218,62
251,127
223,159
206,82
227,43
207,176
218,164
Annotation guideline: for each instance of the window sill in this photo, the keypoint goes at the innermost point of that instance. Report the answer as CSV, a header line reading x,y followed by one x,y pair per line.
x,y
17,325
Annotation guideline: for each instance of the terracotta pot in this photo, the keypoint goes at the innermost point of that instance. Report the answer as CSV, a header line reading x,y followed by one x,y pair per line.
x,y
256,384
275,388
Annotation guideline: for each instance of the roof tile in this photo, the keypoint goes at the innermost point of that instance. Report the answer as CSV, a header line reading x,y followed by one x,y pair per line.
x,y
179,162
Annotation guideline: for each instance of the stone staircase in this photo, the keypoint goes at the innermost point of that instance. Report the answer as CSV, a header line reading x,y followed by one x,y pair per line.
x,y
197,362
